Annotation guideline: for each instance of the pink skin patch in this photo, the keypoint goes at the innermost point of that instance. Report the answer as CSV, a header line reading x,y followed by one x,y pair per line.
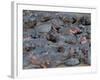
x,y
83,40
74,30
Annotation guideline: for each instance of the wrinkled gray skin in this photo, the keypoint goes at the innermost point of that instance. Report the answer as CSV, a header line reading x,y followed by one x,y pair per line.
x,y
72,62
47,36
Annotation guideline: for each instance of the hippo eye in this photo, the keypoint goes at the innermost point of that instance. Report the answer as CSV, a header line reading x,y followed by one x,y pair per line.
x,y
61,49
74,20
